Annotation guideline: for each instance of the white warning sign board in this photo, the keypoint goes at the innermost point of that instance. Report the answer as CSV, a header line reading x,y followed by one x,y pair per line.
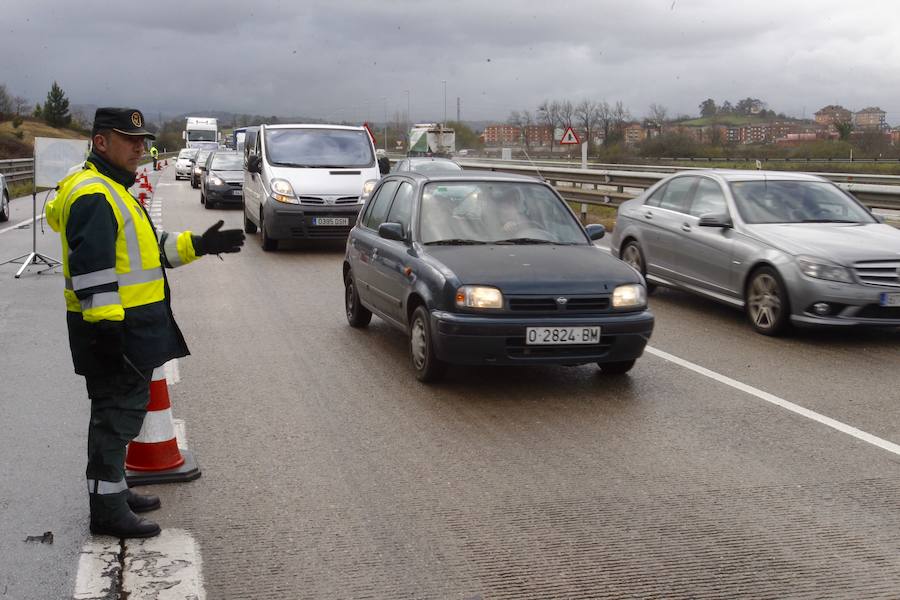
x,y
54,157
569,137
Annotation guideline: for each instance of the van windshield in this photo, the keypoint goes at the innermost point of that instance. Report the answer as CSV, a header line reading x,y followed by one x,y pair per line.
x,y
201,135
322,148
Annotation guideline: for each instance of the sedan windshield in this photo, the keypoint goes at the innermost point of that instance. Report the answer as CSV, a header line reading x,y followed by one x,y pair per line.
x,y
323,148
495,212
227,162
796,202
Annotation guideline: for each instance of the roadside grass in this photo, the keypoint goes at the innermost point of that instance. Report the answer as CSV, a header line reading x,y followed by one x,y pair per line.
x,y
605,215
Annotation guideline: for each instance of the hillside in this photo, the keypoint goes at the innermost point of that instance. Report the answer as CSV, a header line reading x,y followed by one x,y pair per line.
x,y
12,147
733,120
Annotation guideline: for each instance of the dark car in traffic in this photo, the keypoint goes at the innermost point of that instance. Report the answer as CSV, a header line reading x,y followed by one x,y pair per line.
x,y
490,268
199,164
222,181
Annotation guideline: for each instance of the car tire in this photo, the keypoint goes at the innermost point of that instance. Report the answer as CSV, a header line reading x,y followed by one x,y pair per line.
x,y
202,198
357,315
632,254
616,368
249,226
766,302
428,367
268,244
4,208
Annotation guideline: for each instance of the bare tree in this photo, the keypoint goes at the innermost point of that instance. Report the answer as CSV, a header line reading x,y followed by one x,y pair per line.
x,y
6,104
548,112
588,114
566,113
20,105
658,113
619,116
604,119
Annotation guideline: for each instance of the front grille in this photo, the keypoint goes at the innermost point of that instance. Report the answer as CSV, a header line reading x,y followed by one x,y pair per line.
x,y
549,304
347,200
517,348
320,232
874,311
310,200
885,273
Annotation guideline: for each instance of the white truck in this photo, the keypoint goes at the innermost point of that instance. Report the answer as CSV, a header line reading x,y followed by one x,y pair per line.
x,y
431,139
201,132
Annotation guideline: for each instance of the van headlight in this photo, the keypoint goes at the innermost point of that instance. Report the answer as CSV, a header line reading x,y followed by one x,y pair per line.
x,y
633,295
215,180
283,192
368,186
822,269
479,296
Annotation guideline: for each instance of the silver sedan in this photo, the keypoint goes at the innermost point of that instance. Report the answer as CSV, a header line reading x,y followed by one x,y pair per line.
x,y
787,248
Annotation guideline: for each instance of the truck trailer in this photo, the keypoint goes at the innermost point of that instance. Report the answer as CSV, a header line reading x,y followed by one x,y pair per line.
x,y
201,132
431,139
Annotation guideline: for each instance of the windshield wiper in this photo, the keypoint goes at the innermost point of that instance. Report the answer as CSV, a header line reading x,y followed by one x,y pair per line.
x,y
524,240
454,242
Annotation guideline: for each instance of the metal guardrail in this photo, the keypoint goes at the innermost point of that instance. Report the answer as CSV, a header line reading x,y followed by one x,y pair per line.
x,y
22,169
611,187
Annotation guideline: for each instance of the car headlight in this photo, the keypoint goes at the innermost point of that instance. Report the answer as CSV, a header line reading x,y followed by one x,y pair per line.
x,y
822,269
283,192
633,295
215,180
479,296
368,186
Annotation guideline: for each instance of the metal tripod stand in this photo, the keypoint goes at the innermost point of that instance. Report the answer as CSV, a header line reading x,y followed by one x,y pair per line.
x,y
34,257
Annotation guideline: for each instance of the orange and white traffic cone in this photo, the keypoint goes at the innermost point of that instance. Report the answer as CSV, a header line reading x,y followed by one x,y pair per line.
x,y
142,198
154,456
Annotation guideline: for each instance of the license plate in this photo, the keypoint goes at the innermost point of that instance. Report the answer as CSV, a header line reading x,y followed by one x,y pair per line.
x,y
331,221
237,192
890,299
560,336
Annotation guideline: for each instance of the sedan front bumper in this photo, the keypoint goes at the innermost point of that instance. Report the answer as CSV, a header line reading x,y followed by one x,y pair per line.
x,y
851,304
477,339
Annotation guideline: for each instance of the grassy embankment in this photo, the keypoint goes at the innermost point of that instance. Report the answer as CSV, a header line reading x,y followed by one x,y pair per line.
x,y
11,146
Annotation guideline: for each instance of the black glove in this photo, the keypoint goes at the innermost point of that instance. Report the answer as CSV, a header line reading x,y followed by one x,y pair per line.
x,y
216,240
108,345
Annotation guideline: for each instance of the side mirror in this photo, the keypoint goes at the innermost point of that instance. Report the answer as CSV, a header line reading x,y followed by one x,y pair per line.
x,y
879,218
384,165
595,231
392,231
254,163
712,220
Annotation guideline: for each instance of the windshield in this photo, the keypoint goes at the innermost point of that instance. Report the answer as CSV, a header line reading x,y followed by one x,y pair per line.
x,y
796,202
202,156
322,148
227,162
434,166
495,212
201,135
187,153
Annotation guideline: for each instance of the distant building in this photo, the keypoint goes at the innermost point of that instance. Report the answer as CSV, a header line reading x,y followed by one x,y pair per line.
x,y
502,135
895,136
833,113
539,135
871,119
634,133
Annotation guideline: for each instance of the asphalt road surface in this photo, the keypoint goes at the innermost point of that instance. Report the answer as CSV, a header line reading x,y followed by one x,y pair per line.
x,y
329,472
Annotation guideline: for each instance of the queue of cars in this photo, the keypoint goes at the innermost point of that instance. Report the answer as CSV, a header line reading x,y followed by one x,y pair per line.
x,y
486,268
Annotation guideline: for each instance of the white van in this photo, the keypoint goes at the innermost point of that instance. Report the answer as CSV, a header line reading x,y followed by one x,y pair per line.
x,y
306,181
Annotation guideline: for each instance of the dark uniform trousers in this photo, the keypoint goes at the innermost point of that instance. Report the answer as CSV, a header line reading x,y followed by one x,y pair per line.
x,y
118,406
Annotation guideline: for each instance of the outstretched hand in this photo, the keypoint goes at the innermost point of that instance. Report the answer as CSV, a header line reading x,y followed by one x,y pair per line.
x,y
216,240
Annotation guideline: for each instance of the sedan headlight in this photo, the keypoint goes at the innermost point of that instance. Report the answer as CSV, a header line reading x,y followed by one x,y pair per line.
x,y
633,295
478,296
368,186
283,192
822,269
216,181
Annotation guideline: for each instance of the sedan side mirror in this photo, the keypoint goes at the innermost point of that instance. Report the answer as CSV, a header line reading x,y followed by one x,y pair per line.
x,y
713,220
384,165
254,163
392,231
595,231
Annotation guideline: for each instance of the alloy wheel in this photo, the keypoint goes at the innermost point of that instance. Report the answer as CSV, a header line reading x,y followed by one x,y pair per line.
x,y
765,302
418,341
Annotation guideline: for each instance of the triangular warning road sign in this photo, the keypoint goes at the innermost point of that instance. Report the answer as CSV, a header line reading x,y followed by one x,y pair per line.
x,y
569,137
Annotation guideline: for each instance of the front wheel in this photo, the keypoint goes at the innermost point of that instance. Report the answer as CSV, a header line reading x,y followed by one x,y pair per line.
x,y
4,207
616,368
429,368
268,244
249,226
766,301
633,255
357,314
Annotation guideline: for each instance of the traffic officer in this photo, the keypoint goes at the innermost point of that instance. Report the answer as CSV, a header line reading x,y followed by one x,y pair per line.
x,y
118,307
154,153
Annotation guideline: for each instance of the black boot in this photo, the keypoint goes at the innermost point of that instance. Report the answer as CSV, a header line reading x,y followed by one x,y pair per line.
x,y
128,525
140,504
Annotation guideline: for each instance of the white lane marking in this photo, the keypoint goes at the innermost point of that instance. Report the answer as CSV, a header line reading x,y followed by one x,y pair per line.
x,y
773,399
173,373
98,569
166,567
23,223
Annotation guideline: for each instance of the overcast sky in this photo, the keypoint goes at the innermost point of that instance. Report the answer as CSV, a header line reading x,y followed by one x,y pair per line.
x,y
349,60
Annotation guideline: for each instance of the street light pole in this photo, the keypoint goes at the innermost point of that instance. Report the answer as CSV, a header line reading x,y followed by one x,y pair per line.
x,y
385,123
445,102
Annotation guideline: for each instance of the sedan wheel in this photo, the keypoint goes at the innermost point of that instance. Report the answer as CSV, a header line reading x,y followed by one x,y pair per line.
x,y
767,302
357,314
427,365
633,256
4,207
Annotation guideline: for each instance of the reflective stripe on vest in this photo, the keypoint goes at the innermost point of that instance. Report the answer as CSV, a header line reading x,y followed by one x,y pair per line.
x,y
89,280
132,278
100,300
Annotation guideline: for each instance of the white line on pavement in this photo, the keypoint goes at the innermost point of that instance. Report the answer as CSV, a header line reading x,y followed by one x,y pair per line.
x,y
166,567
25,222
773,399
98,569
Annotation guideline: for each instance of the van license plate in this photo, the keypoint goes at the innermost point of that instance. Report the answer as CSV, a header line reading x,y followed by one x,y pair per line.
x,y
331,221
552,336
890,299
